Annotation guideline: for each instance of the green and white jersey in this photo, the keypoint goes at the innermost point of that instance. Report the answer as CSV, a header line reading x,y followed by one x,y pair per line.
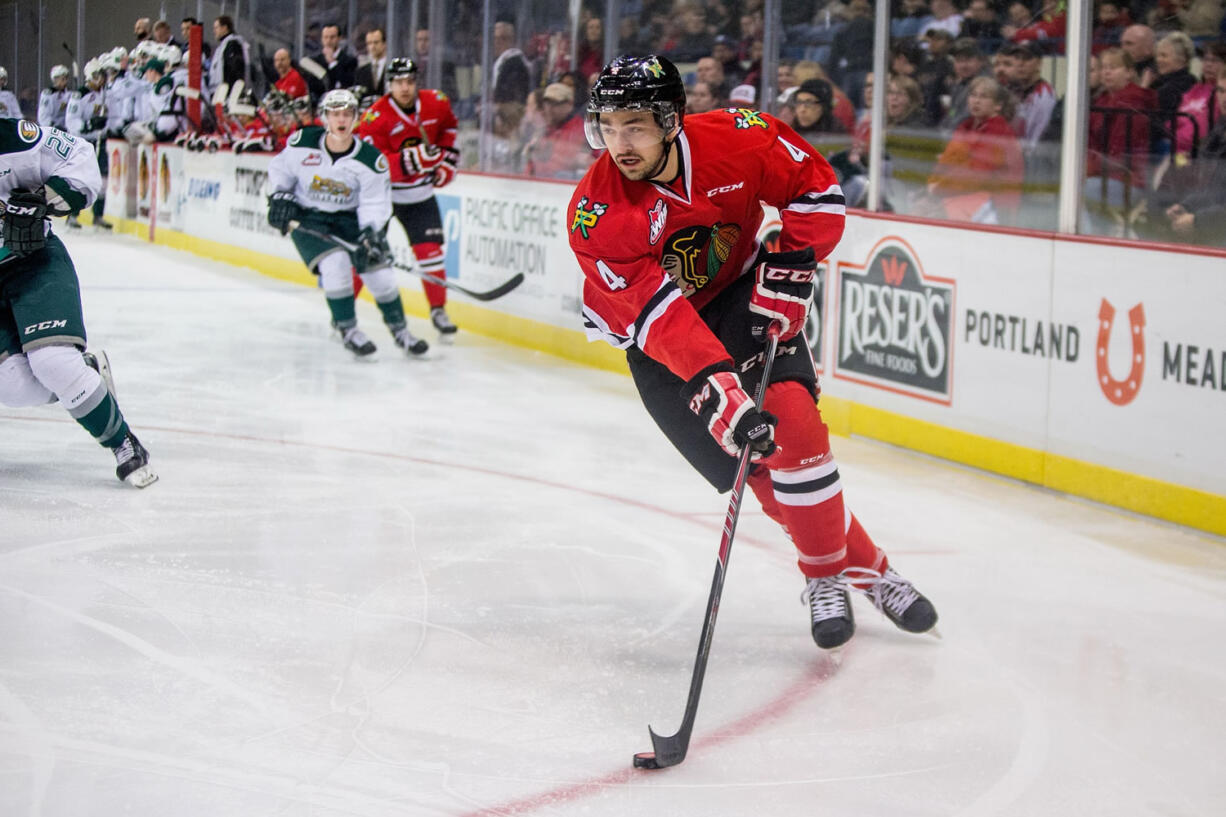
x,y
9,109
356,181
52,105
64,165
85,109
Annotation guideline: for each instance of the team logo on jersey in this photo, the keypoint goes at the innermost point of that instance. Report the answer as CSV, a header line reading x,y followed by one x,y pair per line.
x,y
656,216
745,118
313,159
330,187
586,219
693,256
27,131
370,116
381,164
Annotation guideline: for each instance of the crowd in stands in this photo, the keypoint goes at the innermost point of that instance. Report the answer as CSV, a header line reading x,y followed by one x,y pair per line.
x,y
973,120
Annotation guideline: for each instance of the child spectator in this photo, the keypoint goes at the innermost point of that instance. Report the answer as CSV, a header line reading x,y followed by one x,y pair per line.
x,y
978,176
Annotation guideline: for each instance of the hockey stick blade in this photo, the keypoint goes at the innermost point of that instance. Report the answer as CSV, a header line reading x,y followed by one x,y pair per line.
x,y
487,295
669,750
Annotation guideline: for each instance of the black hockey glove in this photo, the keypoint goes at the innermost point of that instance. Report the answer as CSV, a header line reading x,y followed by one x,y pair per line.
x,y
730,414
282,209
96,123
372,251
783,292
24,222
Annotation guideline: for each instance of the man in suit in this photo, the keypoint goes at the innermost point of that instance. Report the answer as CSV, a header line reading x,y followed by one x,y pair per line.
x,y
336,61
371,76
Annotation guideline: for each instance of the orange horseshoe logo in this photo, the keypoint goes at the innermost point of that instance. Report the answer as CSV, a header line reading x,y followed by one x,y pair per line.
x,y
1121,392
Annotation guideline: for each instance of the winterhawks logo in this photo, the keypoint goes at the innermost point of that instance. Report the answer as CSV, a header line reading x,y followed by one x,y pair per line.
x,y
585,219
1121,392
746,118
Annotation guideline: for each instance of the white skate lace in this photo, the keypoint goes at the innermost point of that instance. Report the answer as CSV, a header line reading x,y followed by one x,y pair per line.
x,y
889,591
826,598
355,336
125,451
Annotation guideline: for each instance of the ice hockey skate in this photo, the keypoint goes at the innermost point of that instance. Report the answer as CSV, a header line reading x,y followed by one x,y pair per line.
x,y
101,364
409,342
132,463
895,597
832,621
355,340
442,322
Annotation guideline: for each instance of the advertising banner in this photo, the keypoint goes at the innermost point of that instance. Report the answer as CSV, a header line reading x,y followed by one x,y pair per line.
x,y
1109,355
121,180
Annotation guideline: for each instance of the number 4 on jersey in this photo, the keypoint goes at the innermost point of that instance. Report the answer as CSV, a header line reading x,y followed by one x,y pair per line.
x,y
611,278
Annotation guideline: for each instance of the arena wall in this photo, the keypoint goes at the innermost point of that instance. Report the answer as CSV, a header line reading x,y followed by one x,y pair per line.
x,y
1086,366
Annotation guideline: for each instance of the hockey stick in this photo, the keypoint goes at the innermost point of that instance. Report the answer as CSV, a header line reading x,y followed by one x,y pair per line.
x,y
669,750
76,71
489,295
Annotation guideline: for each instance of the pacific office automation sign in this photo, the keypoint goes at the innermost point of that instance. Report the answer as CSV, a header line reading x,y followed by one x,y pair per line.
x,y
895,324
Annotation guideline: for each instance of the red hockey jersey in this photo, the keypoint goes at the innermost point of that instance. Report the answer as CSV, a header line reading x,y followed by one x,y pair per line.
x,y
653,254
391,129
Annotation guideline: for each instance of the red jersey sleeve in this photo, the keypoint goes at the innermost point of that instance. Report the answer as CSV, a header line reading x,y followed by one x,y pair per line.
x,y
629,300
802,185
447,123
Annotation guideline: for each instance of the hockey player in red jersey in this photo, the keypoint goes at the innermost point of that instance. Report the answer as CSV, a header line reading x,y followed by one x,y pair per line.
x,y
664,226
416,130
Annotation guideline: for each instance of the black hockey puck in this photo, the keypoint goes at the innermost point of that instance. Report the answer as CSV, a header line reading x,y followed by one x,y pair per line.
x,y
645,760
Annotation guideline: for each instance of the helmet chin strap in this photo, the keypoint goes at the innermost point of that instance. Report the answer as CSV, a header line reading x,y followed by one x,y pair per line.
x,y
663,163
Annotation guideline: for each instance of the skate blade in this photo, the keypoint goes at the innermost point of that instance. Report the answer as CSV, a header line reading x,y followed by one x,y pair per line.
x,y
141,478
935,633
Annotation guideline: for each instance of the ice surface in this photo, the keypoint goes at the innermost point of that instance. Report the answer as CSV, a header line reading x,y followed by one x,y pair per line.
x,y
466,585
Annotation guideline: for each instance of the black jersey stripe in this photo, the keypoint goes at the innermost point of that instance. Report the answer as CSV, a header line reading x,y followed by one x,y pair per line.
x,y
807,487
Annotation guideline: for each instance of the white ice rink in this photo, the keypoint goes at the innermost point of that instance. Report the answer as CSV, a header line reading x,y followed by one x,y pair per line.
x,y
466,585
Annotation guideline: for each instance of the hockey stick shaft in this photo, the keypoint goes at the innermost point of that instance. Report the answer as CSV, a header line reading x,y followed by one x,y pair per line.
x,y
669,750
488,295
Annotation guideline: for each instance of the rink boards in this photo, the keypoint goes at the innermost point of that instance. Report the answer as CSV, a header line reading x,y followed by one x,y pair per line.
x,y
1087,366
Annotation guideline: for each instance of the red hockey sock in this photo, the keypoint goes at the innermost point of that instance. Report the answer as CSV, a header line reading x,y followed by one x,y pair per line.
x,y
861,552
805,481
430,260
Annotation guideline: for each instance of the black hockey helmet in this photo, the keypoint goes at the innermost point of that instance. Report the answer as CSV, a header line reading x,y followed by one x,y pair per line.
x,y
401,67
628,83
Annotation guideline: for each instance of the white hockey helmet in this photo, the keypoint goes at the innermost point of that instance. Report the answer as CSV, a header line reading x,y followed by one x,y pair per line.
x,y
172,55
4,76
338,99
113,60
145,50
92,69
59,72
